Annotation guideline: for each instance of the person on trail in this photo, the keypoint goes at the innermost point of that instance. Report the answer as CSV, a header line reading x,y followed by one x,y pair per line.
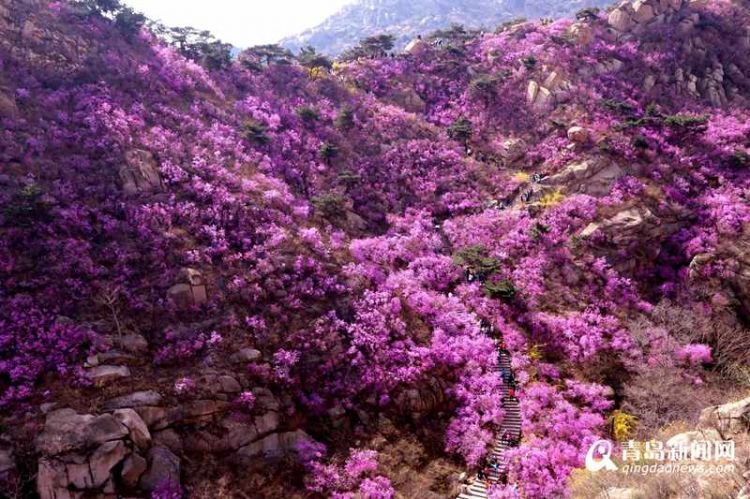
x,y
516,439
494,465
502,348
484,326
503,477
500,355
481,475
509,379
486,471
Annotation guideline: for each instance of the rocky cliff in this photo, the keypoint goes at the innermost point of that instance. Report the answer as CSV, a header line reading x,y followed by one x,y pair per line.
x,y
271,277
407,19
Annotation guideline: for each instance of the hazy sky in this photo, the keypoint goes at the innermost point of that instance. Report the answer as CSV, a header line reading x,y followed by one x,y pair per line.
x,y
241,23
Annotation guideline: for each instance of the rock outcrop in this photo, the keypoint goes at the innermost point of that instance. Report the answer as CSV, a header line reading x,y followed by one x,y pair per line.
x,y
419,401
513,149
578,135
140,174
408,99
163,466
274,445
715,80
632,15
8,106
626,226
736,283
7,461
593,176
104,375
26,36
731,421
622,493
80,452
190,289
538,97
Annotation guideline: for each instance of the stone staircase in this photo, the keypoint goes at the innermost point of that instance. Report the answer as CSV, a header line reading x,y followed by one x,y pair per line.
x,y
508,436
510,429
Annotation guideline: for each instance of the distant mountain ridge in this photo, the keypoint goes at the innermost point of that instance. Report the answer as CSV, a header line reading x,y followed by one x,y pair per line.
x,y
405,19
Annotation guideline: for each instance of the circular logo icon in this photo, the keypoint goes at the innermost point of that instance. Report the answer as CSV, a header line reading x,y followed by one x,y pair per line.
x,y
599,456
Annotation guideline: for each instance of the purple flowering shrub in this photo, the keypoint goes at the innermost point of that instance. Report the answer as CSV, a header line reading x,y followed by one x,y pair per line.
x,y
356,474
339,229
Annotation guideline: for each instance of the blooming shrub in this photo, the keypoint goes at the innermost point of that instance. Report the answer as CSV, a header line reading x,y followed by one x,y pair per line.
x,y
695,354
184,386
366,245
167,489
355,474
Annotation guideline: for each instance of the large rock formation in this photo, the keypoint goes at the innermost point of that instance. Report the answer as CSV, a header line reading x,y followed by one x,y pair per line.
x,y
407,18
80,452
715,80
7,461
140,172
731,421
626,226
593,176
735,284
190,289
631,15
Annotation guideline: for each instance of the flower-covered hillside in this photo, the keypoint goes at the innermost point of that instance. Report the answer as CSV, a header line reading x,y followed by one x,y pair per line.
x,y
280,276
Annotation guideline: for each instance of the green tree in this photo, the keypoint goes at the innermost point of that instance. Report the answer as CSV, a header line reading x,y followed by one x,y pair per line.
x,y
265,55
100,6
328,151
345,119
310,58
26,207
256,132
373,46
461,130
503,290
198,45
308,114
129,22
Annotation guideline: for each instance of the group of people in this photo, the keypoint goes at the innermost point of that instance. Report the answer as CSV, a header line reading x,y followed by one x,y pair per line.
x,y
479,276
525,195
509,379
509,438
489,466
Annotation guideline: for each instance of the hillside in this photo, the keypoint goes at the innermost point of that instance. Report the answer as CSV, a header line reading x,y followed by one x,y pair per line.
x,y
269,277
405,19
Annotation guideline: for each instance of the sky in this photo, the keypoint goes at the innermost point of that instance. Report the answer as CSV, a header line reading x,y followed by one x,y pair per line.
x,y
241,23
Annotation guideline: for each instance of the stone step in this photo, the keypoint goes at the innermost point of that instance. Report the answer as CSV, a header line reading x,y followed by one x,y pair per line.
x,y
104,375
472,495
512,422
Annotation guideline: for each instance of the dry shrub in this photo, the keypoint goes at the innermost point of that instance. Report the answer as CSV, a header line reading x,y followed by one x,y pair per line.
x,y
600,485
413,462
659,396
728,339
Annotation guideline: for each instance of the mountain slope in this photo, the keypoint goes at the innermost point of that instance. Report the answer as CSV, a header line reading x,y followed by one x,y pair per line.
x,y
261,278
405,19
